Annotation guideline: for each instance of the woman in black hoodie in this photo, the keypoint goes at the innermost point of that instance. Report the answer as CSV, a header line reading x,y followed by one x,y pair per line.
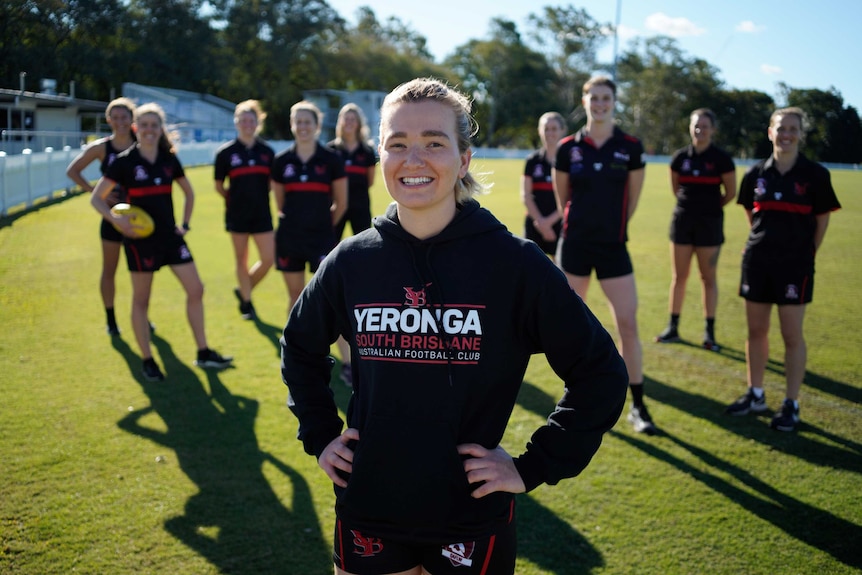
x,y
443,308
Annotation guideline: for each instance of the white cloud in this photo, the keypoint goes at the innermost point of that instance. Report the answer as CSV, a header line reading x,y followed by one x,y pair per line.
x,y
749,27
626,32
673,27
770,70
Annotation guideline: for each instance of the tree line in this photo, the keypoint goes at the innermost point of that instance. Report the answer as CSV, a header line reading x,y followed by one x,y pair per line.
x,y
272,50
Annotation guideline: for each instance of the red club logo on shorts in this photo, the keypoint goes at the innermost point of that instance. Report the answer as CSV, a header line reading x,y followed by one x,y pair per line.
x,y
459,554
366,546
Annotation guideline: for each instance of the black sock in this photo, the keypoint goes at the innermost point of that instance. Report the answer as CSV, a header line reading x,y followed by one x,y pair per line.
x,y
109,313
637,393
674,320
710,327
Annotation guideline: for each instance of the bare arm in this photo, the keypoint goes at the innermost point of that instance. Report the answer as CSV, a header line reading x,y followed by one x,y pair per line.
x,y
561,189
674,183
728,180
822,222
103,189
90,154
339,200
219,187
372,170
634,188
189,204
544,224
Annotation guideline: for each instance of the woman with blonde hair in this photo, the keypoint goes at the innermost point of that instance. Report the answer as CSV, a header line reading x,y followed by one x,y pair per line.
x,y
147,171
245,162
119,115
443,308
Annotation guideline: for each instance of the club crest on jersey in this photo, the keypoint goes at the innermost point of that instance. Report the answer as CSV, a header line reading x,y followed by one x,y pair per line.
x,y
709,166
760,187
538,172
235,160
414,297
459,554
319,170
289,171
141,174
576,155
686,166
111,157
366,546
800,188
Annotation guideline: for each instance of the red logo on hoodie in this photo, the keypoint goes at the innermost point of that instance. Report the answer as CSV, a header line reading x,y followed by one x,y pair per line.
x,y
414,298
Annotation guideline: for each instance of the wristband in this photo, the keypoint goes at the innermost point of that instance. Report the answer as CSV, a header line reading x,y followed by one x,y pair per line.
x,y
186,226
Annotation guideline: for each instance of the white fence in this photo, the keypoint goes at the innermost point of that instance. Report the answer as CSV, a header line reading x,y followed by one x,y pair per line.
x,y
32,177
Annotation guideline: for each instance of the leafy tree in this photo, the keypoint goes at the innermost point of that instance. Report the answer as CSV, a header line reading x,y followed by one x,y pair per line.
x,y
509,83
569,39
833,131
743,117
659,87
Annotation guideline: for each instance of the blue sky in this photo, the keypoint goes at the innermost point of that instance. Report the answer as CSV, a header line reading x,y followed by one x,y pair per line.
x,y
754,43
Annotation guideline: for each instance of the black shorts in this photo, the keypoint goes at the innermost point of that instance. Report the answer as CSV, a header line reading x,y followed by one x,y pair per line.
x,y
109,233
703,231
780,284
531,233
362,553
248,224
293,252
580,258
150,254
359,216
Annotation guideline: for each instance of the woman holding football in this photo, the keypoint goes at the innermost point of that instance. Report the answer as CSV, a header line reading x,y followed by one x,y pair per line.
x,y
147,171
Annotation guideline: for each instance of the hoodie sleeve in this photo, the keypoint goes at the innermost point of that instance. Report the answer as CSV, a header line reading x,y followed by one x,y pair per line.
x,y
584,356
306,366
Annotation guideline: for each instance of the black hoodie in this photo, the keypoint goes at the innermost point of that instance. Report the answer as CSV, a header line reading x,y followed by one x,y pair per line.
x,y
491,300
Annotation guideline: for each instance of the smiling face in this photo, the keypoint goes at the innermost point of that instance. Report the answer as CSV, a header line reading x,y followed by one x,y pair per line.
x,y
149,129
303,124
785,133
350,125
599,103
550,132
419,157
120,120
246,125
701,130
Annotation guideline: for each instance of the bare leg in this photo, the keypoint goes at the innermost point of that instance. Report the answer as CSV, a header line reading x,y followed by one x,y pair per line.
x,y
295,282
623,299
191,282
110,262
142,283
265,243
580,284
795,349
680,268
707,262
757,344
240,251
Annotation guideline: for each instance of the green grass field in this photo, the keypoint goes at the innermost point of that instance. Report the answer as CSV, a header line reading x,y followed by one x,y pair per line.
x,y
102,473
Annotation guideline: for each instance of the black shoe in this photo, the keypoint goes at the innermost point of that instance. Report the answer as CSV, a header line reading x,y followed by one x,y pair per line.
x,y
112,330
211,358
787,417
152,327
238,294
641,421
747,403
709,342
669,335
246,310
151,371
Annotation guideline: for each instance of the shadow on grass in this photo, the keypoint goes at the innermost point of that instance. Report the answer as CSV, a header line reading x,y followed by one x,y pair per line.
x,y
551,543
271,332
235,521
808,524
757,428
839,389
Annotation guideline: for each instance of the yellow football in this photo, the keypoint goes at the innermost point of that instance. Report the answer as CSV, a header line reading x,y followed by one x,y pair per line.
x,y
140,219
